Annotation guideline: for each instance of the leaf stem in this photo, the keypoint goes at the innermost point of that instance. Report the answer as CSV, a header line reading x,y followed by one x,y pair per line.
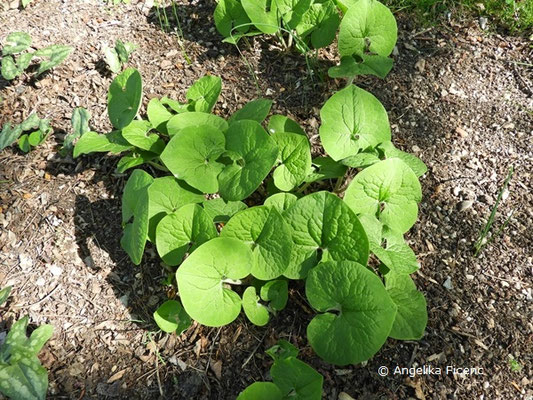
x,y
158,166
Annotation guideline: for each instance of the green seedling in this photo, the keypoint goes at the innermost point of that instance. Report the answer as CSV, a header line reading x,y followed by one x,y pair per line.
x,y
80,126
16,57
119,55
40,130
171,317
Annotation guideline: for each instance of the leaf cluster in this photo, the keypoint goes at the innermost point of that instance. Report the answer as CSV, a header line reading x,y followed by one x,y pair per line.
x,y
16,57
119,55
40,130
229,256
367,29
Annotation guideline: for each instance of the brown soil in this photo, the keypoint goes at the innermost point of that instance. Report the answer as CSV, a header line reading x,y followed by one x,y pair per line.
x,y
457,97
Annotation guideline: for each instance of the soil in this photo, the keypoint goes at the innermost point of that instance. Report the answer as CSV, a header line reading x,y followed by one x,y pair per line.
x,y
458,97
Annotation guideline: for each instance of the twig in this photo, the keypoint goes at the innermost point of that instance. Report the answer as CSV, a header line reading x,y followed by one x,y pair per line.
x,y
253,352
40,301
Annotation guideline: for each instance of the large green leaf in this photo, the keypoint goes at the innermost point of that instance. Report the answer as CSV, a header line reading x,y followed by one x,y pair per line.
x,y
367,26
363,64
256,312
320,22
263,13
167,195
281,123
203,94
171,317
158,115
192,155
16,42
292,11
229,16
294,159
253,153
220,210
281,201
357,312
52,56
204,275
183,231
185,120
352,120
138,182
296,379
323,228
92,142
266,232
261,391
415,163
137,133
124,98
9,135
255,110
412,317
389,190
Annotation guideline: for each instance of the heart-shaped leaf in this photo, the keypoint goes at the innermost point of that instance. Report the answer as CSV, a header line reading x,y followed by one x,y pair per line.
x,y
368,26
281,201
292,11
277,293
92,142
16,42
183,231
137,134
191,155
266,232
320,21
53,56
220,210
281,123
294,158
256,312
415,163
171,317
357,312
185,120
253,153
9,69
229,16
158,115
203,94
263,13
296,379
124,98
261,391
389,190
323,228
281,350
364,64
255,110
203,276
352,120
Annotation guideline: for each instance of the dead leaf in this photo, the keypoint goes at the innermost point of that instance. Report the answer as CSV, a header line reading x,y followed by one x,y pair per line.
x,y
420,65
216,367
417,386
27,195
117,376
461,132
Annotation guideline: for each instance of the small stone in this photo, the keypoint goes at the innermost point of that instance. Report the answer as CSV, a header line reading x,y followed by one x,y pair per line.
x,y
483,23
40,281
448,283
25,262
470,277
55,270
420,65
486,385
166,64
465,205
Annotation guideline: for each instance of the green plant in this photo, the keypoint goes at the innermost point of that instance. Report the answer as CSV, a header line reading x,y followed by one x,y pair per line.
x,y
116,57
17,43
367,32
229,256
21,374
515,365
291,378
482,240
80,126
40,131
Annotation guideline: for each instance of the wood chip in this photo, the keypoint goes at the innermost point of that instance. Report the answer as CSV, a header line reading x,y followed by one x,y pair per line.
x,y
216,367
117,376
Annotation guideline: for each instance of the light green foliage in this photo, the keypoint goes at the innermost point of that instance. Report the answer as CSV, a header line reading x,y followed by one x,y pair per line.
x,y
230,16
256,312
263,14
124,98
220,210
188,119
92,142
319,24
203,94
323,168
276,292
281,123
411,318
182,231
256,110
355,319
80,126
137,134
15,43
4,294
352,120
323,228
281,201
418,167
252,153
192,155
52,56
266,232
158,115
203,276
40,131
364,64
21,373
294,159
171,317
261,391
389,190
116,57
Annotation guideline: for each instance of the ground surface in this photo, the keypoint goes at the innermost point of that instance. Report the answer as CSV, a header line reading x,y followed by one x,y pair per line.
x,y
457,97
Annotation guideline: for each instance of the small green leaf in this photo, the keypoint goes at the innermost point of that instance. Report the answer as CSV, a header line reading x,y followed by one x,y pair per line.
x,y
362,317
138,182
183,231
412,317
255,110
137,134
167,195
282,350
9,135
220,210
291,12
36,138
413,162
203,94
9,69
24,143
253,153
361,160
23,61
16,42
112,60
80,126
188,119
266,232
277,293
263,14
281,201
296,379
92,142
4,294
367,26
174,105
203,276
389,190
363,64
254,310
229,15
281,123
124,98
171,317
191,155
323,228
261,391
323,168
352,120
158,115
294,158
124,50
320,22
134,160
53,55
